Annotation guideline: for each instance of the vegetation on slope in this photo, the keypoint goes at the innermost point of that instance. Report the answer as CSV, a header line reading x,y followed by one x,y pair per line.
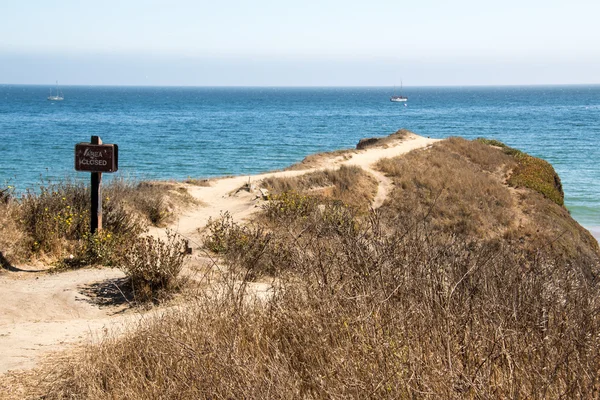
x,y
395,137
533,173
464,187
349,184
437,296
53,222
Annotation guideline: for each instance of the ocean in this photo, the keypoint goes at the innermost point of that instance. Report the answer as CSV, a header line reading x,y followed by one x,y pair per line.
x,y
181,132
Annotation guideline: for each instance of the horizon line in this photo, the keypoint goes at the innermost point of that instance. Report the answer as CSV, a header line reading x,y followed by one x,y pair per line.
x,y
303,86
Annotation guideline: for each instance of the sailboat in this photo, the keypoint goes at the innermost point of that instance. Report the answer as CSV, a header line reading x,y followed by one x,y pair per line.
x,y
400,98
59,95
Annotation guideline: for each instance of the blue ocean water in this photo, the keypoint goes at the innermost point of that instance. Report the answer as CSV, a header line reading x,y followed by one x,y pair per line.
x,y
166,132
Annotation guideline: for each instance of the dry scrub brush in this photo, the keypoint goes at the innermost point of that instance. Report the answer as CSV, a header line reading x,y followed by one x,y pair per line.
x,y
362,308
350,184
11,235
153,265
465,187
466,199
53,221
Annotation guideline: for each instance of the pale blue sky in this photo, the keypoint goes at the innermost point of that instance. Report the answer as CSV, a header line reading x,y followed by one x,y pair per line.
x,y
300,43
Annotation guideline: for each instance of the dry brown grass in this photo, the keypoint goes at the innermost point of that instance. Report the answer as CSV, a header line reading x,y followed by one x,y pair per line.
x,y
381,305
351,185
362,308
11,235
462,186
452,189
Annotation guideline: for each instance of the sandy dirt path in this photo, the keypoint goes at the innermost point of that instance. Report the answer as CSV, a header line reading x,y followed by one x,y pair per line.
x,y
42,313
221,196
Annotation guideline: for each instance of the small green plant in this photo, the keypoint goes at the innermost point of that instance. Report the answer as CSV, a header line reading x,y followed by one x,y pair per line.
x,y
101,248
153,266
6,194
221,233
290,205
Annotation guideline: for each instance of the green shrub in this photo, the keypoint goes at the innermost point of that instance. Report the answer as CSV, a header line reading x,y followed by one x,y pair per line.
x,y
221,232
56,222
6,194
55,217
532,172
539,175
290,205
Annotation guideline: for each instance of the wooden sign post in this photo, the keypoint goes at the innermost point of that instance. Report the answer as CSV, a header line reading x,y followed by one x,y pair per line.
x,y
96,158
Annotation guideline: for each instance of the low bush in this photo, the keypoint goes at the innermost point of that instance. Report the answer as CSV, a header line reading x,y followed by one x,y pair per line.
x,y
55,217
290,205
12,248
269,248
53,221
6,194
56,222
153,266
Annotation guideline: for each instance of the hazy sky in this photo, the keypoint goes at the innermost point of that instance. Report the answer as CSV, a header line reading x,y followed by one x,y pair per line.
x,y
300,43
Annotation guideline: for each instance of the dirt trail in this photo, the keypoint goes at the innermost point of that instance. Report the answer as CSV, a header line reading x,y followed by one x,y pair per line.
x,y
223,194
42,313
384,187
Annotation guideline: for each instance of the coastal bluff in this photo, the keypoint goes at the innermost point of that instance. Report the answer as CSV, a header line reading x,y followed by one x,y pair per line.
x,y
449,267
487,190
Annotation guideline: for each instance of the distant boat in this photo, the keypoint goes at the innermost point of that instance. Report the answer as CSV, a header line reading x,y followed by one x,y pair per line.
x,y
400,98
59,95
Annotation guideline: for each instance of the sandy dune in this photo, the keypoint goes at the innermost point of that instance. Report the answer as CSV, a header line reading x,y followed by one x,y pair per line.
x,y
43,313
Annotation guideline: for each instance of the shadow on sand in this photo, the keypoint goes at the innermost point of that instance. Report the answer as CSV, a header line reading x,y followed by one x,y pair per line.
x,y
109,293
7,266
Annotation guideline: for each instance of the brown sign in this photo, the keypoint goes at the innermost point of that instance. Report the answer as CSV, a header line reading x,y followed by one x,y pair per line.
x,y
96,157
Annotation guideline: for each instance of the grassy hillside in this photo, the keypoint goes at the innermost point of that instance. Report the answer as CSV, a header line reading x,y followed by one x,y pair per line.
x,y
486,190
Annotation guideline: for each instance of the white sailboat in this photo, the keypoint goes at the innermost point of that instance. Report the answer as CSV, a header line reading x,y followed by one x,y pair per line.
x,y
400,98
59,95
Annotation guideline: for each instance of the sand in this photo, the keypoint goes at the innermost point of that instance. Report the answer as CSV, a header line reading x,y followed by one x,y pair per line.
x,y
595,231
43,313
